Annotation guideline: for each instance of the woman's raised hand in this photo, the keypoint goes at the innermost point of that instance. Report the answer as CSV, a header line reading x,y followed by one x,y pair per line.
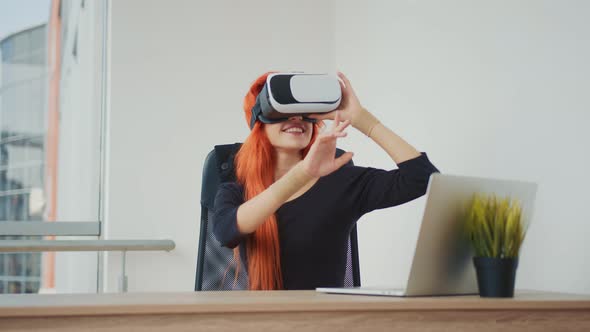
x,y
350,109
350,106
321,159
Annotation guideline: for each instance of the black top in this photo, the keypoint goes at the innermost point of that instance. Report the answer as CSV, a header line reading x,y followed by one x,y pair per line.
x,y
314,227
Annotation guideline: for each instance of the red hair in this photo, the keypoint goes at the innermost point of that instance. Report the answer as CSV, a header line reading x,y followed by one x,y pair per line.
x,y
255,170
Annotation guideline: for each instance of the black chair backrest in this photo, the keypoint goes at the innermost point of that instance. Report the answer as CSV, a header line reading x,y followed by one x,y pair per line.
x,y
215,264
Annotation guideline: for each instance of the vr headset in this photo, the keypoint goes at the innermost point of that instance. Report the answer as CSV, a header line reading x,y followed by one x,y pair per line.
x,y
296,94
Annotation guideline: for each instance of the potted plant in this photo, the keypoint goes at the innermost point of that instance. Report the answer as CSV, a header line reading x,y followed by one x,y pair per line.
x,y
495,231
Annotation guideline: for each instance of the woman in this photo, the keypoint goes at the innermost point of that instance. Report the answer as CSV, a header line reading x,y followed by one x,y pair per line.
x,y
289,215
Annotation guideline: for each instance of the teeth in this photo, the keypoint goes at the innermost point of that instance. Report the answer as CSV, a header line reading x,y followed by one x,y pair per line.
x,y
294,130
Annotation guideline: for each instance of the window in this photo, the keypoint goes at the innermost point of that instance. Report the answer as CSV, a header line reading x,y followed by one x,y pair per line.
x,y
51,101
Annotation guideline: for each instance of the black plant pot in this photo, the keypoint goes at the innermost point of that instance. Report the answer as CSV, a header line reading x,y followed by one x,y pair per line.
x,y
495,276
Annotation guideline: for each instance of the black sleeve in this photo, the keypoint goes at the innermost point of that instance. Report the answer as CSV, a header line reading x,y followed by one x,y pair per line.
x,y
225,223
380,189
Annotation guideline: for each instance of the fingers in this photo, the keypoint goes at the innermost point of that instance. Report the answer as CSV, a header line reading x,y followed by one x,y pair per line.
x,y
337,128
346,96
348,92
331,136
338,125
344,79
343,125
341,81
336,121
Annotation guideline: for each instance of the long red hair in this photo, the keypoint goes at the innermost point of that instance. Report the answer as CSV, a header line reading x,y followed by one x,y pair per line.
x,y
255,169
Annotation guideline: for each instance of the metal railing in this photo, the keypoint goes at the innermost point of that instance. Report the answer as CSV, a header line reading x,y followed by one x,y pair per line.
x,y
85,245
32,228
46,228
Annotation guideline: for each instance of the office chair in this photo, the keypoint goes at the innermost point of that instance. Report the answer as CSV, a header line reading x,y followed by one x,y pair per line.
x,y
215,264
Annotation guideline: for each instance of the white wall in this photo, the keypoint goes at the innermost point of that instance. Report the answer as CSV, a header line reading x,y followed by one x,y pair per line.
x,y
486,88
179,71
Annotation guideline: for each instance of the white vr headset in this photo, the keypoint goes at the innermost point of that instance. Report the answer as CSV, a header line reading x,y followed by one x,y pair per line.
x,y
296,94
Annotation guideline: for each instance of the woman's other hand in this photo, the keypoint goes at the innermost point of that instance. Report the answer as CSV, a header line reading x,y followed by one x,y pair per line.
x,y
321,159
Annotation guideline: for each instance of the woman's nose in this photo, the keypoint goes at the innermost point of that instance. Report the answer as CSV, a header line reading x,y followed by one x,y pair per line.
x,y
296,117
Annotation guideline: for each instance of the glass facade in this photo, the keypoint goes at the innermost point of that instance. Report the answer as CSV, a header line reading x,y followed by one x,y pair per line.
x,y
50,131
23,106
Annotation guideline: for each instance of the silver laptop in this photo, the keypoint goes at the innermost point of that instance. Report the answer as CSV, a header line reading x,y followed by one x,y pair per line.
x,y
442,262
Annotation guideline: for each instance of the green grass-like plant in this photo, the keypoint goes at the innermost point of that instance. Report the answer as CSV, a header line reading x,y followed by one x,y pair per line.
x,y
494,226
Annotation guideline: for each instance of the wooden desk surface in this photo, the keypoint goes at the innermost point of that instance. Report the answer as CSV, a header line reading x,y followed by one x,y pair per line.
x,y
43,305
292,310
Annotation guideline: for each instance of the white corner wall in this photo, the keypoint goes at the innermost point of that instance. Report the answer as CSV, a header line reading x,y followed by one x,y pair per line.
x,y
486,88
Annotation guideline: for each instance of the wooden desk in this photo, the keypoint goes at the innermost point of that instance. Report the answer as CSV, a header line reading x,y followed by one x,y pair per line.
x,y
294,310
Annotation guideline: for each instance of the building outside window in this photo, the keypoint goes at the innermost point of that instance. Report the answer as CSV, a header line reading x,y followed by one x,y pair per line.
x,y
51,111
